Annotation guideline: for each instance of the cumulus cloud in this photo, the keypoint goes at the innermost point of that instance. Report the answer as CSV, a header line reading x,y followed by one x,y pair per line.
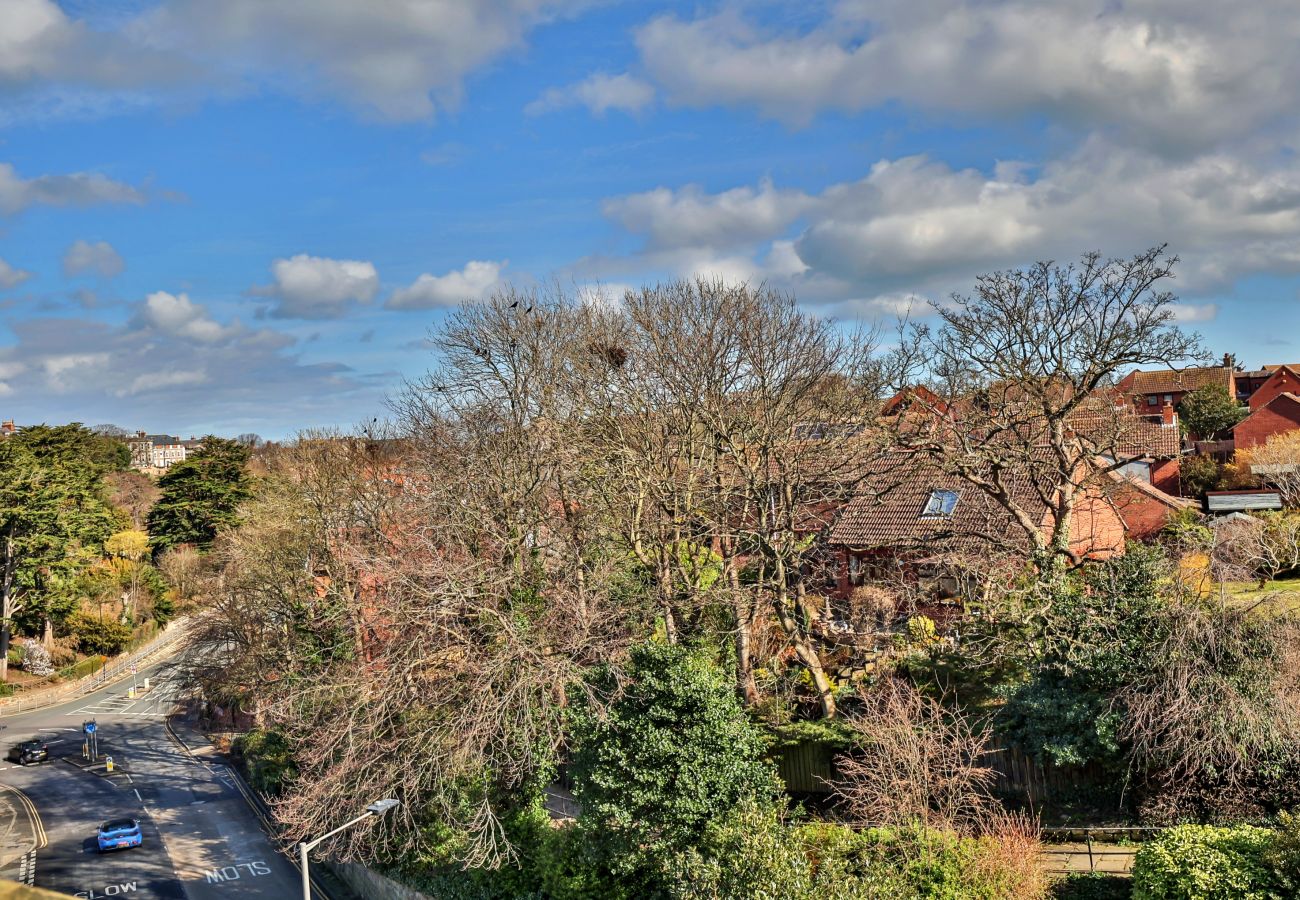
x,y
315,287
688,217
11,277
474,282
77,189
600,93
399,60
40,43
175,315
1195,312
185,362
915,224
98,258
1171,73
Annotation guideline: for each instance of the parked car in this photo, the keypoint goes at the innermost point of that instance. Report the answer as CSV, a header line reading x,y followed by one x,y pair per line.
x,y
119,834
29,752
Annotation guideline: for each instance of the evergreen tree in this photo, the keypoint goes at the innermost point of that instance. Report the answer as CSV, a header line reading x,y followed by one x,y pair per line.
x,y
200,495
1209,411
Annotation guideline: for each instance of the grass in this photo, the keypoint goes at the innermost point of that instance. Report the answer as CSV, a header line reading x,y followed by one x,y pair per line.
x,y
1286,590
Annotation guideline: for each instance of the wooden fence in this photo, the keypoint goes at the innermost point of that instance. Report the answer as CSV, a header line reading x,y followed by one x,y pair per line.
x,y
807,768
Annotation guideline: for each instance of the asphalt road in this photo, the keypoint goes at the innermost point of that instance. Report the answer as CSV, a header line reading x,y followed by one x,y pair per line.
x,y
202,841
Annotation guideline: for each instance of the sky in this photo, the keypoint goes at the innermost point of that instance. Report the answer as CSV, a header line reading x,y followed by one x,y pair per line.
x,y
247,215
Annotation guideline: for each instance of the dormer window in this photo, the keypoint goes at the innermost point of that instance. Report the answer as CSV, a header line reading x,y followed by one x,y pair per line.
x,y
941,503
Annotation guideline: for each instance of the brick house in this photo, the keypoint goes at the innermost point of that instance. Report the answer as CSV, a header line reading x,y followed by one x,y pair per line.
x,y
1250,382
909,512
1280,380
1278,415
1143,507
1149,391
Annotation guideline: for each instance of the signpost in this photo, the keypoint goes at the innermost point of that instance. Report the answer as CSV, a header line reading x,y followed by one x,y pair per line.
x,y
92,738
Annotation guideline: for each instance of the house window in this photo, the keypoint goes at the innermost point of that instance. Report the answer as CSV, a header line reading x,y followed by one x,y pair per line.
x,y
857,571
1169,398
1151,400
941,503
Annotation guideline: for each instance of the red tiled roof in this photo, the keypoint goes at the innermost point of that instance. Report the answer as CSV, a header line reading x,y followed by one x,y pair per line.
x,y
1285,397
888,511
1161,381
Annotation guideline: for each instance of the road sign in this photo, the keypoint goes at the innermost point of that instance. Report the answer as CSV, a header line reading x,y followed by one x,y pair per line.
x,y
132,668
89,728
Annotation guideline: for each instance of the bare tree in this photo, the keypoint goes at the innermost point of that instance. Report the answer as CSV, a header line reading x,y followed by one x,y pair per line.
x,y
1022,373
1276,462
1221,699
915,761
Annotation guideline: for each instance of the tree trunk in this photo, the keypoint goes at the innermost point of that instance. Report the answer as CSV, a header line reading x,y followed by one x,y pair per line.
x,y
47,636
743,609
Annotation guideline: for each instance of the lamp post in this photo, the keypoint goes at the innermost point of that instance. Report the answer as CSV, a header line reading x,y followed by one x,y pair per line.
x,y
378,808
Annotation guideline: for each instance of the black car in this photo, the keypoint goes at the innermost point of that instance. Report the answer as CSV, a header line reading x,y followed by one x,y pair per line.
x,y
29,752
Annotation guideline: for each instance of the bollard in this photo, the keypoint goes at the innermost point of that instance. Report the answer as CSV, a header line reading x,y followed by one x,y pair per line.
x,y
130,693
146,684
108,763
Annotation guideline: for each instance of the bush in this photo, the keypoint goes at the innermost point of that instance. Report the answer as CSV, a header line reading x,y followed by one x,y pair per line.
x,y
1202,862
96,635
81,669
750,854
1093,886
267,760
671,755
36,659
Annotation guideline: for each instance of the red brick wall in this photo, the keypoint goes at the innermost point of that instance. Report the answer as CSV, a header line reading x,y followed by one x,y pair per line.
x,y
1264,423
1097,532
1166,475
1280,382
1143,514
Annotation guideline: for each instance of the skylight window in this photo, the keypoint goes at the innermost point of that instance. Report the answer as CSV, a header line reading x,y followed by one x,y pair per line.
x,y
941,503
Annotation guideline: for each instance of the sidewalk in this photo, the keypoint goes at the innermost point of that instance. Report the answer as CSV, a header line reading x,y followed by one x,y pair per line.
x,y
185,731
116,670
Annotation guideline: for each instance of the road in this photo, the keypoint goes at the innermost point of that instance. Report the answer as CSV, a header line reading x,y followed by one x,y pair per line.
x,y
202,841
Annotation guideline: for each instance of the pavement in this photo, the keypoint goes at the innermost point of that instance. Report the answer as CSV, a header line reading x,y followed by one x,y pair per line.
x,y
203,840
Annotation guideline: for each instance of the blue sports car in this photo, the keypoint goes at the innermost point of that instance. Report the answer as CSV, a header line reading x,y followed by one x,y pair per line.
x,y
118,834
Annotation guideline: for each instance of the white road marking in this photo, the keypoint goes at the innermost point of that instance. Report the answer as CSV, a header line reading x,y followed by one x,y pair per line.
x,y
137,794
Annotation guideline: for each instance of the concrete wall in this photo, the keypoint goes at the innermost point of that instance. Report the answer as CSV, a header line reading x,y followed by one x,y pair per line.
x,y
372,885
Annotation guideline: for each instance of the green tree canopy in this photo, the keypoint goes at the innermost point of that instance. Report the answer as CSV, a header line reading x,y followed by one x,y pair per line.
x,y
1209,411
200,495
54,518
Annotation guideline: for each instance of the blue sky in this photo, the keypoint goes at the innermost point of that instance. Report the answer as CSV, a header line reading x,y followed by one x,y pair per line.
x,y
244,216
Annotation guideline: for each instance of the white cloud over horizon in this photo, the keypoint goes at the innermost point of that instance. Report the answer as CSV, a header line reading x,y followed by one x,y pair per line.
x,y
11,277
75,189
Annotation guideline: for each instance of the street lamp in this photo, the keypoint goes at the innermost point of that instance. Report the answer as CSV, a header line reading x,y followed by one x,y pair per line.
x,y
378,808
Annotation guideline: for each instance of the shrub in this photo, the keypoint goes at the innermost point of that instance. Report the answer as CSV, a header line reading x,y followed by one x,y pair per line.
x,y
36,659
1092,886
1203,862
750,854
96,635
672,754
267,760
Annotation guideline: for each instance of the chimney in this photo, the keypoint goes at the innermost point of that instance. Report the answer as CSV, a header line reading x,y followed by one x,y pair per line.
x,y
1168,417
1229,361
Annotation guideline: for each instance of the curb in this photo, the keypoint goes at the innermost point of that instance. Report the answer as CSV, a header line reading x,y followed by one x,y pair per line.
x,y
264,818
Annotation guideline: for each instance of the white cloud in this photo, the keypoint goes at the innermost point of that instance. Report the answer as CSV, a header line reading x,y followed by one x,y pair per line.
x,y
149,382
472,283
98,258
175,315
11,277
315,287
399,59
69,369
690,218
78,189
600,93
1195,312
40,43
913,224
1172,73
